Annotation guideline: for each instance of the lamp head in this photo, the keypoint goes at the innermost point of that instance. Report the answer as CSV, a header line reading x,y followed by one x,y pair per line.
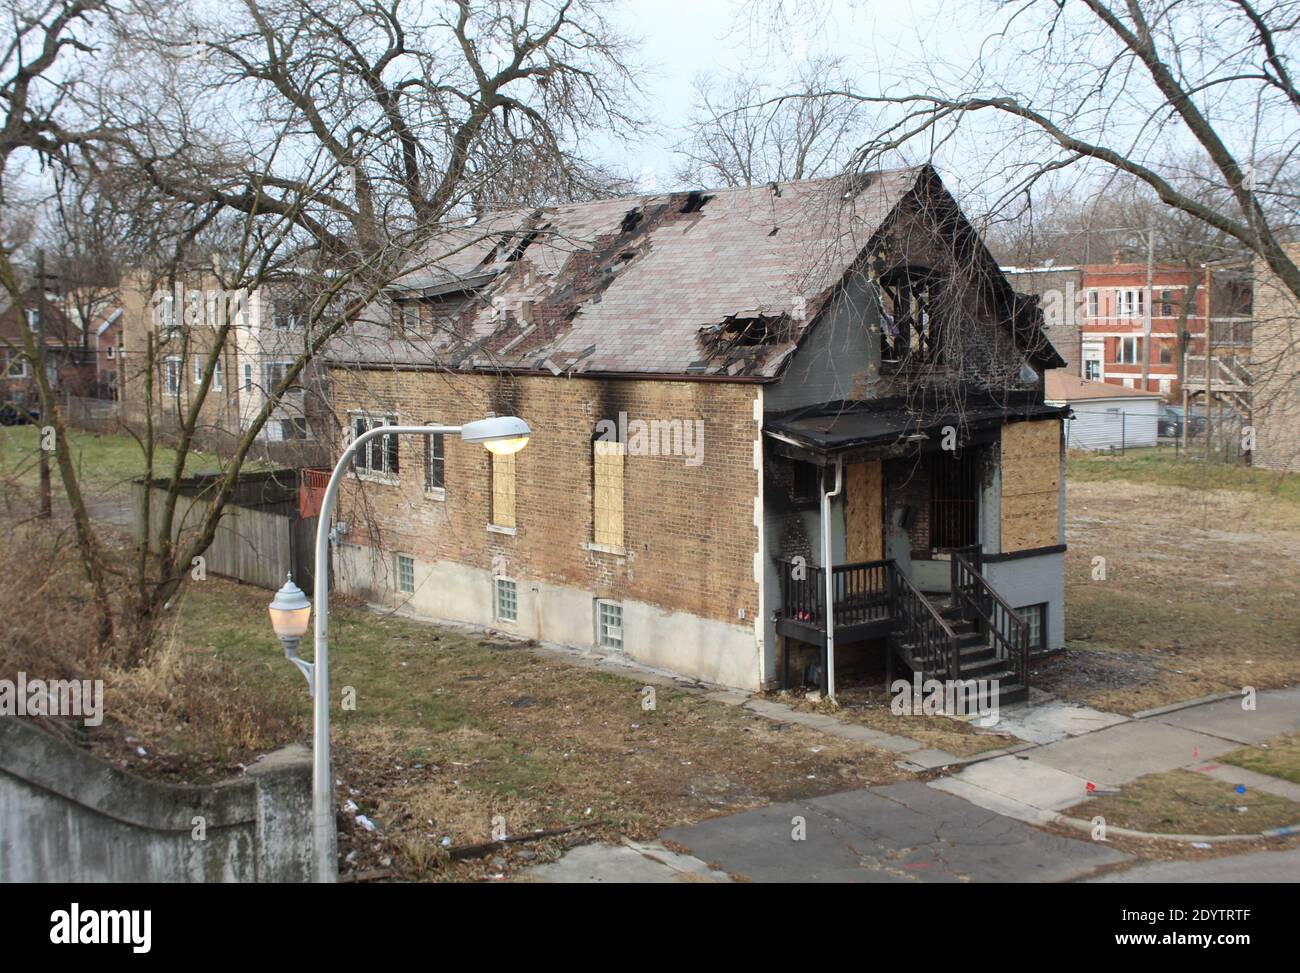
x,y
290,611
501,435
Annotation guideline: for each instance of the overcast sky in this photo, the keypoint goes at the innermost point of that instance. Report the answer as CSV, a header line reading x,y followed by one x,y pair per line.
x,y
683,38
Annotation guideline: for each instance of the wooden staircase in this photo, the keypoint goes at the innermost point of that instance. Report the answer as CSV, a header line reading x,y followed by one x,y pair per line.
x,y
978,658
970,633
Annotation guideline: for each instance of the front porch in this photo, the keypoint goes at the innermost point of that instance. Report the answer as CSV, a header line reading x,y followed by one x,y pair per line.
x,y
903,509
971,633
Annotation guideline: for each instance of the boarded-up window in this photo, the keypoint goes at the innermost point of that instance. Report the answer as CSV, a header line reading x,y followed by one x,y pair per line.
x,y
503,490
607,496
1031,485
863,517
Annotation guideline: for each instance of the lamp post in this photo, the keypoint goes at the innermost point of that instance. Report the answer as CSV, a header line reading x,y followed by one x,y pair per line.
x,y
501,435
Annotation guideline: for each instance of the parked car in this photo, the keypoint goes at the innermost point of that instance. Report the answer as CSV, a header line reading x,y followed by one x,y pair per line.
x,y
12,415
1173,418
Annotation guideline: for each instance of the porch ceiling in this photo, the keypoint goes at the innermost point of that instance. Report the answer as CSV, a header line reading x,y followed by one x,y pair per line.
x,y
835,428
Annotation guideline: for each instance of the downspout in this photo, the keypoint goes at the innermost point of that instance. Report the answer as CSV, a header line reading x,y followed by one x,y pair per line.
x,y
828,570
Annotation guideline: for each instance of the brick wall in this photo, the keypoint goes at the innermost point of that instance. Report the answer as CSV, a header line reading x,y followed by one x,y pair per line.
x,y
1275,368
689,533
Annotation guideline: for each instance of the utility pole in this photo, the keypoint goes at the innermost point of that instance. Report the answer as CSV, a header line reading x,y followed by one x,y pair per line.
x,y
47,503
1146,311
1209,374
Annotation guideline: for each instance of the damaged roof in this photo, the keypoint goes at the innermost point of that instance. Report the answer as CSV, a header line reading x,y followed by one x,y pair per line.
x,y
720,283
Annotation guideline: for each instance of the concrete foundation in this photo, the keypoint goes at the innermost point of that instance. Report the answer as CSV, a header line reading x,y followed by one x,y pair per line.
x,y
704,649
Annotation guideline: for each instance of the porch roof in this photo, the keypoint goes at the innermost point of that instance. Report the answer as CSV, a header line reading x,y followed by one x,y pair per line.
x,y
834,428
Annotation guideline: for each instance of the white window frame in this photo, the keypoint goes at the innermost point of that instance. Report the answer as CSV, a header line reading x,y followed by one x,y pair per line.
x,y
266,374
172,370
605,636
499,583
430,491
1041,610
109,352
372,420
33,319
218,381
248,376
401,562
1094,304
16,367
198,369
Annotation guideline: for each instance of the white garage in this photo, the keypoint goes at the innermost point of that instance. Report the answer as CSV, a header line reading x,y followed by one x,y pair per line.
x,y
1105,416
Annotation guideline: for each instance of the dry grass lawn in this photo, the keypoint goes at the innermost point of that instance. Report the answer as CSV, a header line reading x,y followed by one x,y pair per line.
x,y
868,705
1185,802
1199,595
452,731
1278,757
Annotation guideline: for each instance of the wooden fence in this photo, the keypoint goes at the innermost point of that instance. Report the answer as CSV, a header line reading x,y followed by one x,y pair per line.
x,y
260,539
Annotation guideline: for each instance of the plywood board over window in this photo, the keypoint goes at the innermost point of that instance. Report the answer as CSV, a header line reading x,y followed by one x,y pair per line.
x,y
863,516
1031,485
607,493
503,490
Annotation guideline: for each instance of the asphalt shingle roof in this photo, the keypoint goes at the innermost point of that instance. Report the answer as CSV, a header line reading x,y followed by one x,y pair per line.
x,y
643,284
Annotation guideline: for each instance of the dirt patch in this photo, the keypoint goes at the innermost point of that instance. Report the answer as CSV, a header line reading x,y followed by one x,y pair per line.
x,y
868,704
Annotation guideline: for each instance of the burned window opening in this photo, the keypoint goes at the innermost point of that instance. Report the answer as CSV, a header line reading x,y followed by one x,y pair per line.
x,y
910,329
695,201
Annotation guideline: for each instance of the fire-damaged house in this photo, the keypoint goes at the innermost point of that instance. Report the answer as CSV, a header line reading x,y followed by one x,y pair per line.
x,y
732,394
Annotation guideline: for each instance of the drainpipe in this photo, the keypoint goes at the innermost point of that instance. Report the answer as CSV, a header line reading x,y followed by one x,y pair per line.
x,y
828,569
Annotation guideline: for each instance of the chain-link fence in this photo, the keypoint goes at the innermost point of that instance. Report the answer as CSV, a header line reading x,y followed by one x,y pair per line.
x,y
1221,436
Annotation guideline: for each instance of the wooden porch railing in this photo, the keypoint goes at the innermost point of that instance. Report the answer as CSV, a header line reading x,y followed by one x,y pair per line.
x,y
1008,632
861,592
930,640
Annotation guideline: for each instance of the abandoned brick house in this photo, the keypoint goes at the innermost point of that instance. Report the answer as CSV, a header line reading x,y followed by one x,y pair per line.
x,y
711,378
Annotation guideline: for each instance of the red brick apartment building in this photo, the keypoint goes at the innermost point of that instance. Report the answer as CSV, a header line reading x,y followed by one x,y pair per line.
x,y
1112,324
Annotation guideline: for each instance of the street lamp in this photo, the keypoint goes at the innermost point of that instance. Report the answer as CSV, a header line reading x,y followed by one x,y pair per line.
x,y
501,435
290,611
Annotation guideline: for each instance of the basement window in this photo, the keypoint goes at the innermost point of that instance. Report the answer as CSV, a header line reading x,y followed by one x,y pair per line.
x,y
405,574
1035,617
609,624
507,600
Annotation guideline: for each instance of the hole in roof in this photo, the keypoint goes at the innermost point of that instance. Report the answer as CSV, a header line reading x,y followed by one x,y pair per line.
x,y
630,220
695,201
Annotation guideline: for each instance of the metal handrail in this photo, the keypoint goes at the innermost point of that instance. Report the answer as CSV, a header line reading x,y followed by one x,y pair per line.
x,y
934,641
1010,633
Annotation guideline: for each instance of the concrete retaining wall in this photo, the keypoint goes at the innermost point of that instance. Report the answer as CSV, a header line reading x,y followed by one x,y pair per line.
x,y
67,816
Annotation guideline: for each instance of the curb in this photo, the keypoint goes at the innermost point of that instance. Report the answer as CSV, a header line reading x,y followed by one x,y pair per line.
x,y
1209,839
1185,704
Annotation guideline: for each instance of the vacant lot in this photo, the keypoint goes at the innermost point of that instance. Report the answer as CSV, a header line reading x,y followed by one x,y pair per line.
x,y
1201,569
450,731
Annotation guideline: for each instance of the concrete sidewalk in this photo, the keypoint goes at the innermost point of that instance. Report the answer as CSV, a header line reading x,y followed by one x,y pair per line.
x,y
1034,785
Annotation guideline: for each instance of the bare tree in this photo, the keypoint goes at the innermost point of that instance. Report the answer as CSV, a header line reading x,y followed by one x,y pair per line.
x,y
738,135
1213,76
327,145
